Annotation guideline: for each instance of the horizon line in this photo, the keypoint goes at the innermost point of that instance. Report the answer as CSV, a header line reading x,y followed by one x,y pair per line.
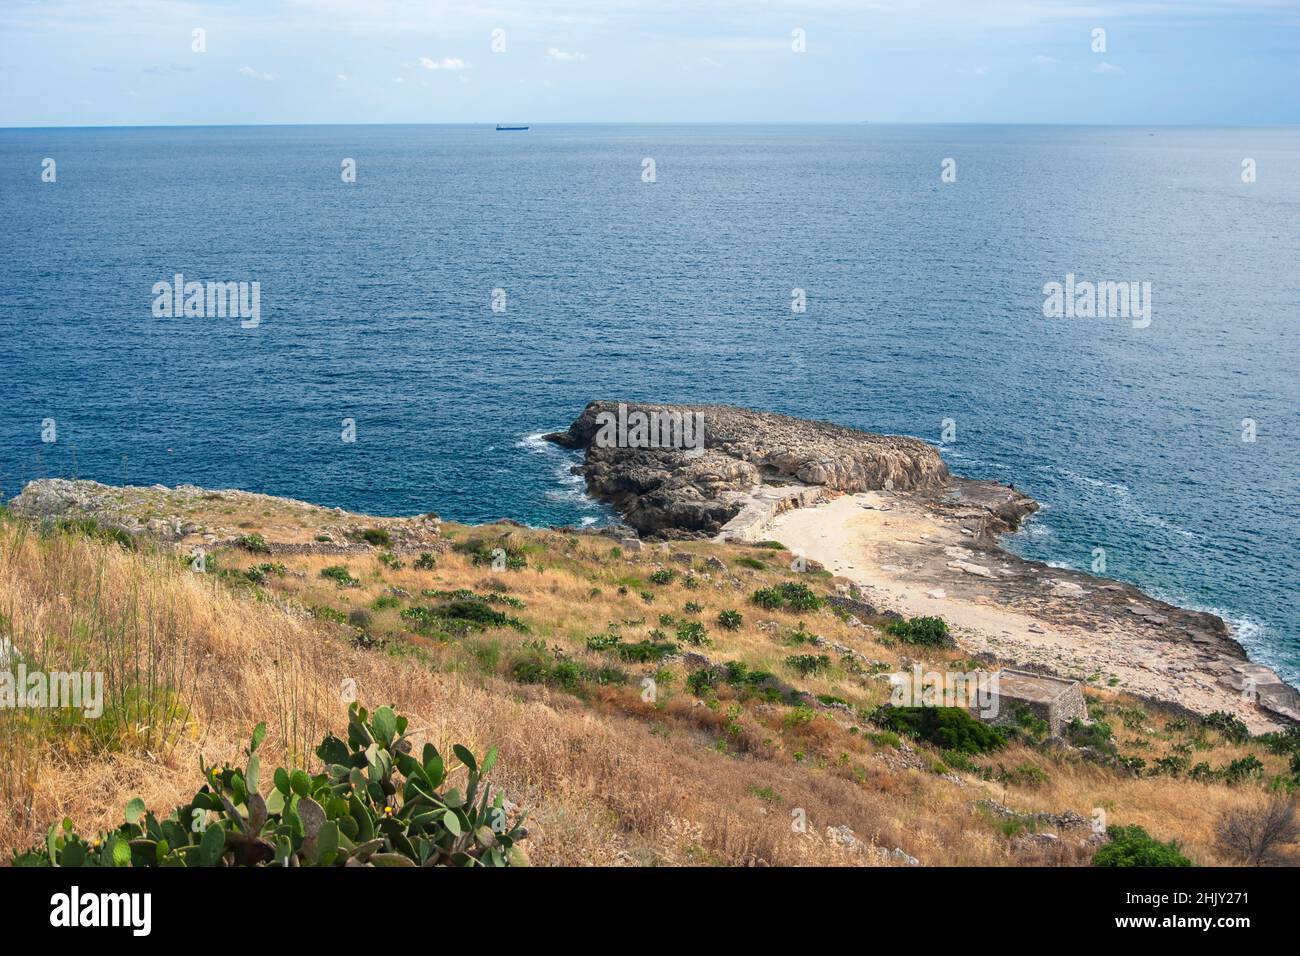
x,y
477,123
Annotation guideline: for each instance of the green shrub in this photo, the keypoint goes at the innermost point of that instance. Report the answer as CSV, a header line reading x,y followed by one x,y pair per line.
x,y
1096,735
1133,846
1229,725
1025,775
260,572
602,642
530,670
643,652
254,543
385,601
462,614
930,631
391,561
885,738
373,805
1030,724
663,576
748,562
325,613
949,728
425,562
693,607
799,716
787,596
702,682
693,632
800,636
806,664
729,620
1283,742
481,553
377,537
340,575
640,652
1245,768
1171,766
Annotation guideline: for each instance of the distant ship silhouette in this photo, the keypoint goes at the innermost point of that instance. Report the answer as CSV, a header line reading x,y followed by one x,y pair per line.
x,y
506,127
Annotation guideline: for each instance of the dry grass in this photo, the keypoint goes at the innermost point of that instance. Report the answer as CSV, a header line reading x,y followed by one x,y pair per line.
x,y
195,660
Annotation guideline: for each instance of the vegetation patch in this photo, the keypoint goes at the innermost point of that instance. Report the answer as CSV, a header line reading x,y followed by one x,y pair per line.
x,y
1133,846
254,543
928,631
787,596
948,728
340,575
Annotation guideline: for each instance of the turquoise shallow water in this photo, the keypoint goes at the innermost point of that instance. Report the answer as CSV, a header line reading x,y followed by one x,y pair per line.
x,y
924,304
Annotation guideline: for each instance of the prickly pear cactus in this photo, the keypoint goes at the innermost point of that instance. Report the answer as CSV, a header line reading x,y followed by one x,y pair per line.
x,y
374,804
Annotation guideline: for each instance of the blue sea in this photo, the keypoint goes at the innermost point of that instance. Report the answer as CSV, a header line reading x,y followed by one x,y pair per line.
x,y
924,303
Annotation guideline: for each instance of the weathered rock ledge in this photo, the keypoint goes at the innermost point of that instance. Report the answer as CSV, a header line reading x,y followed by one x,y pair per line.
x,y
190,516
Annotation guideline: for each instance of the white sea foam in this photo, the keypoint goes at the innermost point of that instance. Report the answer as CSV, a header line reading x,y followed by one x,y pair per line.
x,y
573,489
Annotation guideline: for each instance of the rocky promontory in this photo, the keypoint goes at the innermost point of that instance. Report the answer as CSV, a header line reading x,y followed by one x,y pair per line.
x,y
744,464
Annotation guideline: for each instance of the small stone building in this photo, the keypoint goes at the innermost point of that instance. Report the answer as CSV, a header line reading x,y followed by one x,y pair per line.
x,y
1053,699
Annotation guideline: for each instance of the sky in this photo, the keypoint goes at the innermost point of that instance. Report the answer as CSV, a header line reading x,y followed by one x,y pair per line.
x,y
141,62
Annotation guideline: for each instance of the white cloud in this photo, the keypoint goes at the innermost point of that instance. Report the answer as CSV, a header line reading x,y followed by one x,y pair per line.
x,y
1045,60
563,56
343,77
1104,67
253,74
446,63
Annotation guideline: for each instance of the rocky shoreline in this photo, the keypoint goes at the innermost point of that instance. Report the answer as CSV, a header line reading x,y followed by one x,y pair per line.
x,y
885,513
880,513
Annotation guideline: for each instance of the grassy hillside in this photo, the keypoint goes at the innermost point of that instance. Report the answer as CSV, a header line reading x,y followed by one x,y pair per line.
x,y
551,659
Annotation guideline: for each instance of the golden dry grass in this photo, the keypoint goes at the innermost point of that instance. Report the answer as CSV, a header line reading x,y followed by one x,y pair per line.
x,y
608,777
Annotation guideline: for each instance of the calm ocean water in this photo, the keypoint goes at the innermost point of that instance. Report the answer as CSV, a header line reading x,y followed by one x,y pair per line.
x,y
924,304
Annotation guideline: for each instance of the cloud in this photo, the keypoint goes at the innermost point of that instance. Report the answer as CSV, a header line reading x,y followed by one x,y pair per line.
x,y
563,56
343,77
251,73
446,63
1045,60
1104,67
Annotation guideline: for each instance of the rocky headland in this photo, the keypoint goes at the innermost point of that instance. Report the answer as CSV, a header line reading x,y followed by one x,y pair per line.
x,y
747,467
883,513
